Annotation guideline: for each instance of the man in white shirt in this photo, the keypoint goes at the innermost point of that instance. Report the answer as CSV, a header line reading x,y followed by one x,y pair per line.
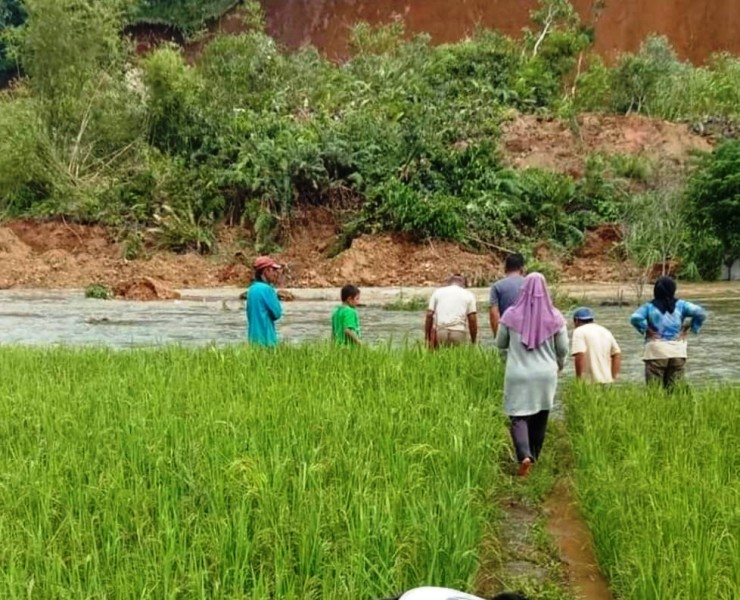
x,y
451,315
438,593
596,354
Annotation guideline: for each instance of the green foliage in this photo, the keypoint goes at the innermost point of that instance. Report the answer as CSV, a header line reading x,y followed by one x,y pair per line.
x,y
187,15
654,81
404,209
407,304
83,116
552,51
98,291
12,14
24,176
656,230
713,210
250,133
593,87
637,77
172,99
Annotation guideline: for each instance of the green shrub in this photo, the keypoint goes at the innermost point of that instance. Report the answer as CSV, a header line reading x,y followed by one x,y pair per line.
x,y
172,100
186,15
407,304
401,208
24,176
12,15
713,210
637,77
98,291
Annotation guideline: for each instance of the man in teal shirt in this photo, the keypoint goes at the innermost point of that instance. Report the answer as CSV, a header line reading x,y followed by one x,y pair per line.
x,y
263,304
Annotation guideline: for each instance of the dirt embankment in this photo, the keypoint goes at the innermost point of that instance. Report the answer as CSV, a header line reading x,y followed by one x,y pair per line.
x,y
58,254
696,28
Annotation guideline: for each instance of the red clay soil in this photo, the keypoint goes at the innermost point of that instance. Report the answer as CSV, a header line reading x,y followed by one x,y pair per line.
x,y
58,254
696,28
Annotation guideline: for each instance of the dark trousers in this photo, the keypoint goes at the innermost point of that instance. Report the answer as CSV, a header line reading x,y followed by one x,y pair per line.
x,y
665,371
528,434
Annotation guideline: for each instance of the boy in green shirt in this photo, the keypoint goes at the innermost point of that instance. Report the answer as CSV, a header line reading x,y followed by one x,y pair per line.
x,y
345,322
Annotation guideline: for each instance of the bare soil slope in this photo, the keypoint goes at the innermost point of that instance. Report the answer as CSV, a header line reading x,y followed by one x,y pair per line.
x,y
695,27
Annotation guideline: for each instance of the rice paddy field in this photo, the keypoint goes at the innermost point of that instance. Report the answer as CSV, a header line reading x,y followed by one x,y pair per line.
x,y
324,474
307,473
658,477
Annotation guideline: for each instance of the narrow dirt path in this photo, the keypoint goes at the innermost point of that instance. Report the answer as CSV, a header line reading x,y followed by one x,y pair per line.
x,y
540,545
572,538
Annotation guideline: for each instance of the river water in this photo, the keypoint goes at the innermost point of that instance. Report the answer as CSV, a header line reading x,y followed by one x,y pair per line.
x,y
216,316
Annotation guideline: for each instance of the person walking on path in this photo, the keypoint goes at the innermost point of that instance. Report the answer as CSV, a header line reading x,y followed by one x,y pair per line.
x,y
534,335
504,292
662,322
596,354
439,593
345,322
451,315
263,304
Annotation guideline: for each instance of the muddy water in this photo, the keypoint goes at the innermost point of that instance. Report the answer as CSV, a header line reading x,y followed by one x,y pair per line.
x,y
217,316
572,538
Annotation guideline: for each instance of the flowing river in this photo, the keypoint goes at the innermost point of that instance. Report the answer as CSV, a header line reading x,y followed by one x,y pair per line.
x,y
216,316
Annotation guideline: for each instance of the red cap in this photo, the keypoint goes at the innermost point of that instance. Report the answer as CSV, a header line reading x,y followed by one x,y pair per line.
x,y
266,262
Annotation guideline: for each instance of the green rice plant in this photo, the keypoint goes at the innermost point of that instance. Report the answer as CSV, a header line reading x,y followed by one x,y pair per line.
x,y
301,473
657,476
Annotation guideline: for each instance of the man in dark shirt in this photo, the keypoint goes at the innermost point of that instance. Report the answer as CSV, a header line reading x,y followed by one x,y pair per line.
x,y
505,291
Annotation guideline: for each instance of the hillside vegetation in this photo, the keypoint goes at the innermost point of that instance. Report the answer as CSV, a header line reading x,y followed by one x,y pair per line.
x,y
402,137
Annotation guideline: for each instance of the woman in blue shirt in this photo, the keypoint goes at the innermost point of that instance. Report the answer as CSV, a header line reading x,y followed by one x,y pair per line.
x,y
663,323
263,304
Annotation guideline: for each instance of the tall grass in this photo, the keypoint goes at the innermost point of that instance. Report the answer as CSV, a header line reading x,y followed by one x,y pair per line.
x,y
658,479
307,473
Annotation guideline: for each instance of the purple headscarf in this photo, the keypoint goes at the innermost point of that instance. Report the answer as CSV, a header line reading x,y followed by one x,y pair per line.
x,y
533,316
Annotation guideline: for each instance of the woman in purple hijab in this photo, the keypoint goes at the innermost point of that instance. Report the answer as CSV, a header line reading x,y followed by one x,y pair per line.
x,y
535,338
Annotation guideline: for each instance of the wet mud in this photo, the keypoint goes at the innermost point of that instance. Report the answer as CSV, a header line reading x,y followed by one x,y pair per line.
x,y
572,538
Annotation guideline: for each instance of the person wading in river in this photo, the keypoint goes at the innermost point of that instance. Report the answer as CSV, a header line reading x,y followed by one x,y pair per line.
x,y
263,304
505,291
438,593
596,355
451,315
535,337
663,323
345,322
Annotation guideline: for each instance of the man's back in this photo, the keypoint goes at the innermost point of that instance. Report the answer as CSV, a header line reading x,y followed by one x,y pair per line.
x,y
451,306
598,346
505,292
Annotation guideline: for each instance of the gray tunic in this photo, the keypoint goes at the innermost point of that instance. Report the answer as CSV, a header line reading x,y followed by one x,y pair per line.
x,y
531,375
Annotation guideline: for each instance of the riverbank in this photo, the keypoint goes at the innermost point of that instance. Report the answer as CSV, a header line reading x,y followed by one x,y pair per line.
x,y
55,254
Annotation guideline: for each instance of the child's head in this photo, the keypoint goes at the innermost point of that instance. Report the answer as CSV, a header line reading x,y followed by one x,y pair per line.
x,y
350,295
